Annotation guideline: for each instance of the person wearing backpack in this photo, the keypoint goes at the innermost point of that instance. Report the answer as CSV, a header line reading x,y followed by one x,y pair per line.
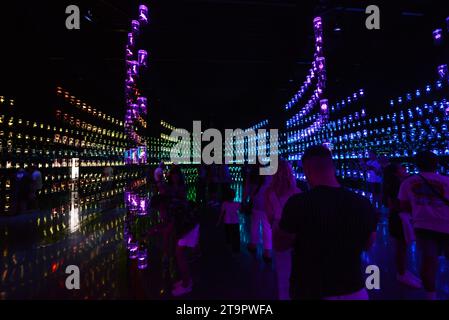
x,y
426,197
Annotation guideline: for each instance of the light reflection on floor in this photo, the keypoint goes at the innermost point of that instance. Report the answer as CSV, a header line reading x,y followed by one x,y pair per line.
x,y
36,248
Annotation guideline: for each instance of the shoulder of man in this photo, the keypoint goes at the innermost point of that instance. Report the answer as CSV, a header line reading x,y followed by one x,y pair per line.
x,y
298,197
409,179
356,197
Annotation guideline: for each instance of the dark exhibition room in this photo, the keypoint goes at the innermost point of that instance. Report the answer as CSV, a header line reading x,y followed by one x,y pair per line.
x,y
253,151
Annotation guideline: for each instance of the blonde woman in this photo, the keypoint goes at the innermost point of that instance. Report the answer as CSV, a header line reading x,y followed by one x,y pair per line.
x,y
281,188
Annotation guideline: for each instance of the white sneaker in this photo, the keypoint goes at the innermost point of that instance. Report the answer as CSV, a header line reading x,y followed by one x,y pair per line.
x,y
410,280
180,290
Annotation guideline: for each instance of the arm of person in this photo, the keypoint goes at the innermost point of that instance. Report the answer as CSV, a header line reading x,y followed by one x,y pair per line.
x,y
282,240
285,230
404,199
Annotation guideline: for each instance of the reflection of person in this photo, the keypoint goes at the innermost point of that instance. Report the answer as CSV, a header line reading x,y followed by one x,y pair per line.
x,y
328,227
176,184
36,177
24,189
186,226
426,197
108,173
394,174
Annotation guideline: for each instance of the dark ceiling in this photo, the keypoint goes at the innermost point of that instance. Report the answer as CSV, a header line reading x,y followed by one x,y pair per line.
x,y
229,63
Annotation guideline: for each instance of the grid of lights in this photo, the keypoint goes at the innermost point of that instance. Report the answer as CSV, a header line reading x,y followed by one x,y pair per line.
x,y
83,106
344,103
419,93
322,115
168,126
316,75
96,143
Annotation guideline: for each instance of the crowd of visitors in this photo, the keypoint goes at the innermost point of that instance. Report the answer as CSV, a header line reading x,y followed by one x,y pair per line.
x,y
312,232
315,237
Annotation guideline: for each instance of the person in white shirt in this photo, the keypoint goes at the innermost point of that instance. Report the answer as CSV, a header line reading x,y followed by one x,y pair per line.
x,y
426,197
229,214
282,187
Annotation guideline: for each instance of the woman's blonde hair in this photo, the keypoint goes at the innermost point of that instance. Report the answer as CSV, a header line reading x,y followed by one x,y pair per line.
x,y
283,181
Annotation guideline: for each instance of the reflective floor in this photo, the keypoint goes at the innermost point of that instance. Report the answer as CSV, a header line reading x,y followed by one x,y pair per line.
x,y
37,247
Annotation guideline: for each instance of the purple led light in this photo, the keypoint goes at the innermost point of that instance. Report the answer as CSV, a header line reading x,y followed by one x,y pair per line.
x,y
135,26
129,52
317,24
143,13
437,35
132,246
443,71
324,105
129,89
142,57
321,63
142,102
317,71
131,40
130,81
133,67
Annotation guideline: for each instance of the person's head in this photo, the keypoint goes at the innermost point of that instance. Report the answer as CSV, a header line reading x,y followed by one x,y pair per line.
x,y
372,155
283,181
229,194
318,166
394,172
175,176
427,161
162,165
